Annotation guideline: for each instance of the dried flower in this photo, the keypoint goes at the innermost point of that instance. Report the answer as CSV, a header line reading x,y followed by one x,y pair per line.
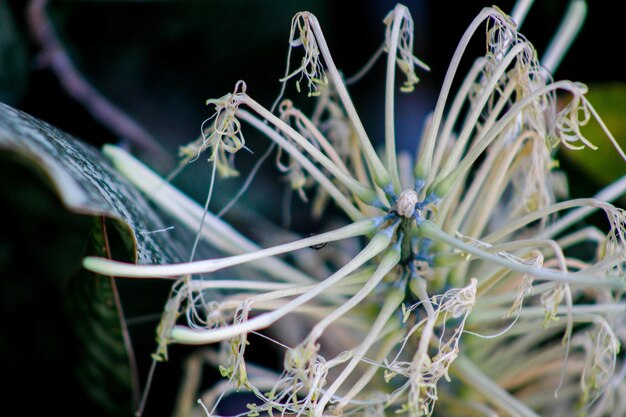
x,y
470,270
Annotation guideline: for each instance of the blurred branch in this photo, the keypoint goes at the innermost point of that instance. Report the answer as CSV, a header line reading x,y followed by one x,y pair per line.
x,y
54,56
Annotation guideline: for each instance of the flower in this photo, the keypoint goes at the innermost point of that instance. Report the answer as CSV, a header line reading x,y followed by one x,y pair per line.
x,y
471,268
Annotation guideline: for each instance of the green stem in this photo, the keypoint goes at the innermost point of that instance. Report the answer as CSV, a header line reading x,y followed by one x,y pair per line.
x,y
571,24
446,134
444,185
121,269
390,342
390,305
380,174
186,335
431,230
389,260
520,11
218,233
390,135
422,168
362,191
477,109
471,375
319,137
495,314
591,204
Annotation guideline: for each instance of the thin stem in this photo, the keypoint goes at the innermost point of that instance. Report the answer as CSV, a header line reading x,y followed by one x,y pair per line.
x,y
431,230
493,189
206,204
422,168
390,135
364,379
544,364
591,204
520,11
470,123
317,135
496,314
278,291
441,187
421,358
607,194
606,130
486,186
488,282
235,284
342,201
248,181
332,167
587,234
218,234
122,269
517,245
454,199
467,371
362,191
368,66
565,35
358,165
589,269
389,260
186,335
392,301
380,174
451,118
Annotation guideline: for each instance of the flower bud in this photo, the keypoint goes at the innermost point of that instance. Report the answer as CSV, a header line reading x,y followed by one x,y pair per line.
x,y
406,203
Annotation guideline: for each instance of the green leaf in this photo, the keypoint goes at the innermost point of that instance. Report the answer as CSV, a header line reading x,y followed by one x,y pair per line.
x,y
85,184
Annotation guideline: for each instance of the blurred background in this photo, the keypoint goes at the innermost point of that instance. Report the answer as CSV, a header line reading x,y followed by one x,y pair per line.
x,y
157,62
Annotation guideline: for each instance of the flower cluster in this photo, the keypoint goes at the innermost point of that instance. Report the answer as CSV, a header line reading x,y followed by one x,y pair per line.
x,y
474,268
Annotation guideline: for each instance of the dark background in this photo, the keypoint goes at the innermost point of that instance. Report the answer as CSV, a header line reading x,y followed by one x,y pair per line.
x,y
159,61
